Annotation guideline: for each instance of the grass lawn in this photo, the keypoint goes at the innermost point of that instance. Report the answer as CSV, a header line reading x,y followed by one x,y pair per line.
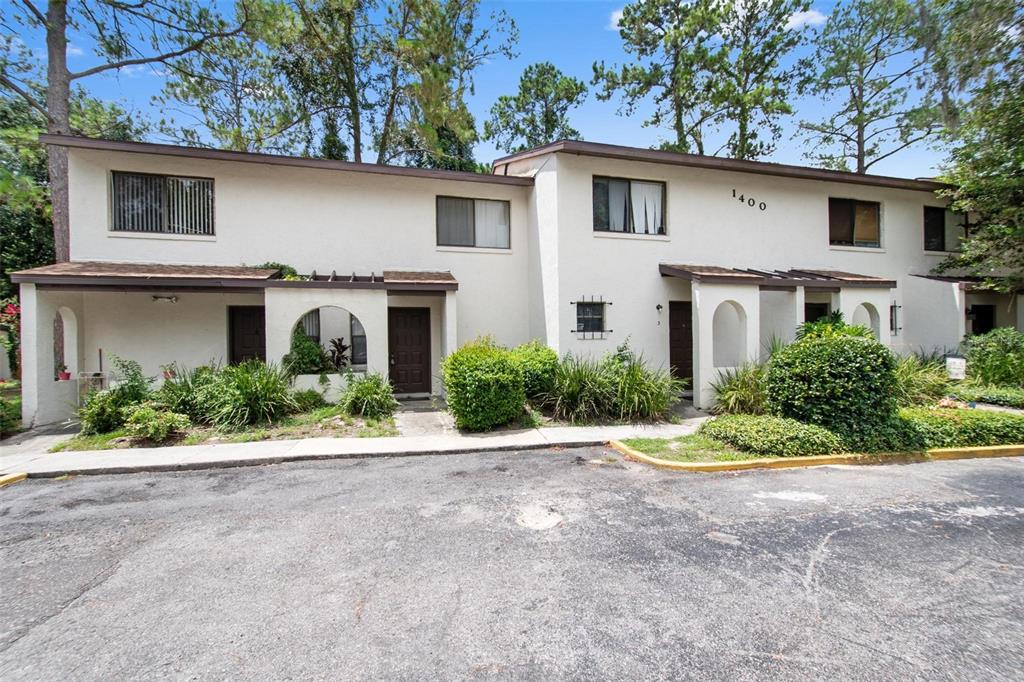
x,y
325,422
689,448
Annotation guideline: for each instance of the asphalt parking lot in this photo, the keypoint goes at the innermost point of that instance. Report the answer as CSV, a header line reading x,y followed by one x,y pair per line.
x,y
562,564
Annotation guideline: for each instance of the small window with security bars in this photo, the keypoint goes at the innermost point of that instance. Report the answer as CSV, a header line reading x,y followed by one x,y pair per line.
x,y
161,204
591,318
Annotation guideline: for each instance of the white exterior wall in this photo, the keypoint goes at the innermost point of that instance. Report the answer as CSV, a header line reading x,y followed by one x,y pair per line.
x,y
319,220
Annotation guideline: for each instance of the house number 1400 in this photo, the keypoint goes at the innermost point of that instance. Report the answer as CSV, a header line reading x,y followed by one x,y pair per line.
x,y
749,201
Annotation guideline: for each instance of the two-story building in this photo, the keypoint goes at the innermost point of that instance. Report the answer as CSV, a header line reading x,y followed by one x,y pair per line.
x,y
698,261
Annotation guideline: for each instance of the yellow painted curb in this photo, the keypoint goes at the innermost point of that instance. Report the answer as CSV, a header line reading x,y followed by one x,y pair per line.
x,y
822,460
7,479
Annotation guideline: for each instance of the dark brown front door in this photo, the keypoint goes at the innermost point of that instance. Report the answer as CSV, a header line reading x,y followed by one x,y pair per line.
x,y
815,311
984,319
247,333
680,339
409,349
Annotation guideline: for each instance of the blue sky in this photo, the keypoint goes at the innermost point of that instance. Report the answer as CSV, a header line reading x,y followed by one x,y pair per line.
x,y
570,33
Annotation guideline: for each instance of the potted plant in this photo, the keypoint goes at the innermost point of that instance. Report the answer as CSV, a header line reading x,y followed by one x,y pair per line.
x,y
168,370
62,372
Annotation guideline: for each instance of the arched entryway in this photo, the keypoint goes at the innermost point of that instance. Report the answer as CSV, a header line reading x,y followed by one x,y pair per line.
x,y
729,334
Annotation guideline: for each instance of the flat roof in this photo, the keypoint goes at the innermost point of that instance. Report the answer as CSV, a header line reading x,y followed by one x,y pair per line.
x,y
613,151
78,142
794,277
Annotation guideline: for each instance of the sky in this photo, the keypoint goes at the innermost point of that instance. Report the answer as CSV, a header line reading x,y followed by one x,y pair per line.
x,y
572,34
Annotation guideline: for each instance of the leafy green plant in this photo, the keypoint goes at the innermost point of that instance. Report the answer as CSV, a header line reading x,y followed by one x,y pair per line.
x,y
740,390
771,436
186,391
104,411
151,422
484,385
641,392
306,356
308,400
133,385
584,390
996,357
844,383
249,393
539,364
10,416
919,381
970,392
287,271
950,428
831,325
369,395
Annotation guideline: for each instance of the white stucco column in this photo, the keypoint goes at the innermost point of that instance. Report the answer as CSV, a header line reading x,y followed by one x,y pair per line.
x,y
451,327
45,400
799,299
737,342
30,340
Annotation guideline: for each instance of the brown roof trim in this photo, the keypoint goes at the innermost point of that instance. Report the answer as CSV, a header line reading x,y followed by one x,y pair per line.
x,y
614,151
78,142
817,280
966,282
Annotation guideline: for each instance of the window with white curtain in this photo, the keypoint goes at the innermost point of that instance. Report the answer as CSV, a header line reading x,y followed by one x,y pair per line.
x,y
472,222
161,204
629,206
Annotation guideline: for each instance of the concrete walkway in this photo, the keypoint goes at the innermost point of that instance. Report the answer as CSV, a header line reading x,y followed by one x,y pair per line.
x,y
22,458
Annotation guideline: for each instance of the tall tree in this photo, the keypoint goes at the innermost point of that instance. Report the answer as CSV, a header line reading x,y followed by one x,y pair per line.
x,y
539,112
126,34
672,44
710,63
867,63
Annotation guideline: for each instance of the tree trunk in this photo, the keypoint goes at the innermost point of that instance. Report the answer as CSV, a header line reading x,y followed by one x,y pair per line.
x,y
58,95
352,91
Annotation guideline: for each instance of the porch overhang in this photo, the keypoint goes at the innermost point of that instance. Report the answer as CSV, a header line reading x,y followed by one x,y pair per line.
x,y
966,282
94,275
774,280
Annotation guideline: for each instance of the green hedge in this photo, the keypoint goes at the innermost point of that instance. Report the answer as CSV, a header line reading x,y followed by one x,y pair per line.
x,y
768,435
996,357
843,383
951,428
484,384
1010,396
539,364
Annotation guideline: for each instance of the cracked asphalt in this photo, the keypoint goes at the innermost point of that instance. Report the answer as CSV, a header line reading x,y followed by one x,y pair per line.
x,y
561,564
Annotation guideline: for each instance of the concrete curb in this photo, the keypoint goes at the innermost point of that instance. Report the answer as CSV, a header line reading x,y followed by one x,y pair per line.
x,y
7,479
308,457
822,460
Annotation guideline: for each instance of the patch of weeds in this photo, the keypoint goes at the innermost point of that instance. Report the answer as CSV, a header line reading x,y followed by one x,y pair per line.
x,y
97,441
377,428
689,448
530,419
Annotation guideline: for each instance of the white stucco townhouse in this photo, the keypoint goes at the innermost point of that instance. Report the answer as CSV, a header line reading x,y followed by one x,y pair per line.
x,y
699,261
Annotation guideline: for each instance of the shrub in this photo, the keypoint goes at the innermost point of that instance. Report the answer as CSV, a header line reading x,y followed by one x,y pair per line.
x,y
10,416
584,390
539,364
186,392
831,325
768,435
484,385
996,357
104,411
641,392
249,393
843,383
740,390
150,423
895,434
369,395
308,400
919,381
1009,396
950,428
306,355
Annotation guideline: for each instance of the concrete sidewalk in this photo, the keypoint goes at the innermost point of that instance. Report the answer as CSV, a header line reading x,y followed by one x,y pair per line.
x,y
38,463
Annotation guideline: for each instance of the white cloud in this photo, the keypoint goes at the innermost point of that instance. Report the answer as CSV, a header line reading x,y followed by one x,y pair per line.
x,y
799,20
75,51
613,20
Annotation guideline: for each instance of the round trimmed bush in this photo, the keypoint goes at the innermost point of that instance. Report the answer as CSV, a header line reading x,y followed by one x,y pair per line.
x,y
484,386
539,364
768,435
846,384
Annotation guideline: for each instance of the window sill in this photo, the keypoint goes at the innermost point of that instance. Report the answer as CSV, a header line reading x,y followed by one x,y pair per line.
x,y
165,237
941,253
857,249
475,249
632,235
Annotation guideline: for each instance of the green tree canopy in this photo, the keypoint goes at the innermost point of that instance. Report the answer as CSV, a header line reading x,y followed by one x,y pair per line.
x,y
539,112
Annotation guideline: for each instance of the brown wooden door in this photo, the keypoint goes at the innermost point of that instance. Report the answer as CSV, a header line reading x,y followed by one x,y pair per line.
x,y
409,349
247,333
680,339
984,318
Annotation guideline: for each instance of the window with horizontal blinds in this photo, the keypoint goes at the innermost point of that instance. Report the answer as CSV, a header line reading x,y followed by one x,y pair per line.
x,y
162,204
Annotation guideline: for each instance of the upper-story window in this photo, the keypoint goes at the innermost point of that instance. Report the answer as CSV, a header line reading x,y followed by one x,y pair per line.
x,y
629,206
162,204
943,229
854,223
472,222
